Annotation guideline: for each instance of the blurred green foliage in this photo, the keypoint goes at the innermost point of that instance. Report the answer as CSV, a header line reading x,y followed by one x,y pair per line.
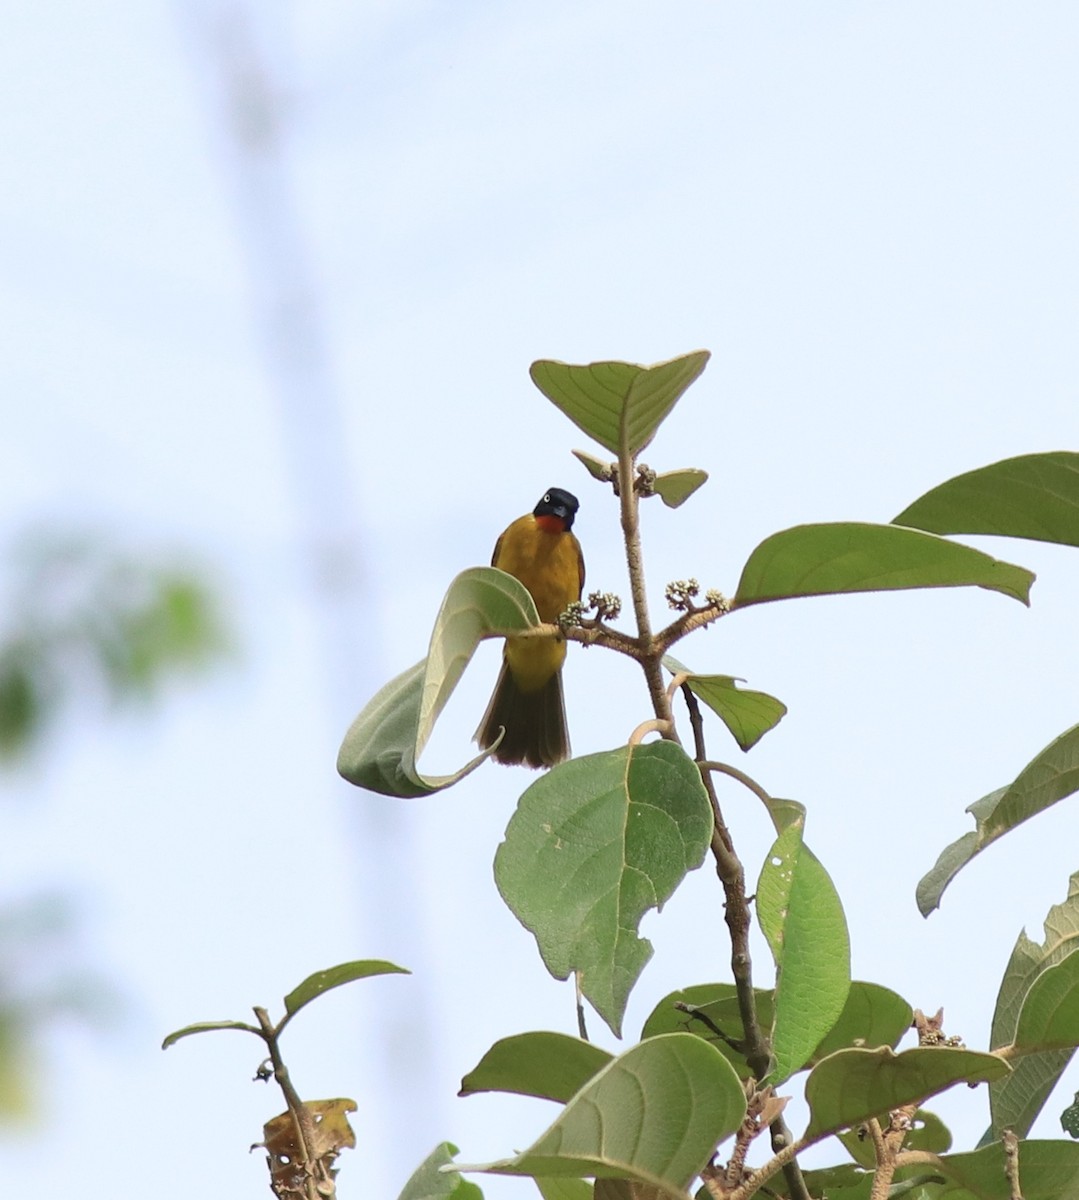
x,y
41,980
84,620
84,623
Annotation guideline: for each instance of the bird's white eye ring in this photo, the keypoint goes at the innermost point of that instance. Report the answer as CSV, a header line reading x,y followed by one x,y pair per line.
x,y
547,498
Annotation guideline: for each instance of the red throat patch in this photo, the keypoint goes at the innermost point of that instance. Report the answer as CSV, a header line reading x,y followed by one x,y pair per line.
x,y
551,524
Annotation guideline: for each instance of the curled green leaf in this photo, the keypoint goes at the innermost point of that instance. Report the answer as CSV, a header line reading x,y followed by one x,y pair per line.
x,y
383,744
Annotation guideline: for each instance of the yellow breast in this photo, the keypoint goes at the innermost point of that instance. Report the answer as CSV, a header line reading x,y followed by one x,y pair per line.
x,y
551,566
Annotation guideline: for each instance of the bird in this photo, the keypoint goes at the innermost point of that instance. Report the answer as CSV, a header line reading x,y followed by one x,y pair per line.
x,y
540,551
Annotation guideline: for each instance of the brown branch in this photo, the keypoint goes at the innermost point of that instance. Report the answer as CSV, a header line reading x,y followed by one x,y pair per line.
x,y
1011,1163
758,1051
696,618
589,633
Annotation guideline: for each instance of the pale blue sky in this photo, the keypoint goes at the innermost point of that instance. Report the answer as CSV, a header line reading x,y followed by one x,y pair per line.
x,y
867,212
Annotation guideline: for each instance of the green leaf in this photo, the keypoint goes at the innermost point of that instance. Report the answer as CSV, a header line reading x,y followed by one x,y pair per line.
x,y
872,1016
748,715
564,1189
1033,496
431,1182
551,1066
801,916
1048,1170
843,1182
654,1115
1016,1100
1050,776
853,1085
385,741
596,467
612,401
674,488
625,1189
205,1027
1049,1018
824,560
594,844
333,977
712,1006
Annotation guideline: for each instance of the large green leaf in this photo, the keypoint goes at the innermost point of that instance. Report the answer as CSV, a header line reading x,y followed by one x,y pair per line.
x,y
594,844
748,715
1049,1018
564,1189
872,1016
616,401
717,1007
431,1182
1048,1170
385,741
1033,496
552,1066
852,1085
1050,776
802,917
654,1115
822,560
323,981
1016,1100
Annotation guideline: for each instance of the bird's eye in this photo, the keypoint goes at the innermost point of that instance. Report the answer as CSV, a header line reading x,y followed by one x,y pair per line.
x,y
547,498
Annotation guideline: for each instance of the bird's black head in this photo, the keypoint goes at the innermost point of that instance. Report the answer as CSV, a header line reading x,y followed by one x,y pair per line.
x,y
557,502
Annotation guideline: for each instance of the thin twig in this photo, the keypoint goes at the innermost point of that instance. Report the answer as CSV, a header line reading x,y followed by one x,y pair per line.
x,y
741,776
652,726
696,618
301,1114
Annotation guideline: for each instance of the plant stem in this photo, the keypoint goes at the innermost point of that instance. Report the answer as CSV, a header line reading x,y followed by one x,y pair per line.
x,y
732,876
631,536
301,1115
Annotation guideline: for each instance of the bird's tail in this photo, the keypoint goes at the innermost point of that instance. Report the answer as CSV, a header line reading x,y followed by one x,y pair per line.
x,y
535,723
